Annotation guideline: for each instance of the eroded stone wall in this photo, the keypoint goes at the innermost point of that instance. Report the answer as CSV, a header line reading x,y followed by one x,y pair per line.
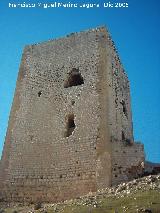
x,y
70,115
41,153
127,156
127,162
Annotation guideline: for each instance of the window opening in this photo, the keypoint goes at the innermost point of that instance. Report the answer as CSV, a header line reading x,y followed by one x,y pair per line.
x,y
123,136
70,125
124,107
74,79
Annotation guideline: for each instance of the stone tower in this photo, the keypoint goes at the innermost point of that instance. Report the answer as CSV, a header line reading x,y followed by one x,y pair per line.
x,y
70,127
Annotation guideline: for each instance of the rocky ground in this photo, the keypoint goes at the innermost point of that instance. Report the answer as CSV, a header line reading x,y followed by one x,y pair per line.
x,y
139,195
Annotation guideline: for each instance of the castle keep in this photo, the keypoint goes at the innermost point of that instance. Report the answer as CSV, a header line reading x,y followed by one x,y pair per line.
x,y
70,127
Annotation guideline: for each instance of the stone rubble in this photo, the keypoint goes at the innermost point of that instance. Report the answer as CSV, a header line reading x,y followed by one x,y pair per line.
x,y
124,189
94,199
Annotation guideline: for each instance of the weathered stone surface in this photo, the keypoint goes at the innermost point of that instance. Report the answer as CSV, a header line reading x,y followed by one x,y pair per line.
x,y
70,127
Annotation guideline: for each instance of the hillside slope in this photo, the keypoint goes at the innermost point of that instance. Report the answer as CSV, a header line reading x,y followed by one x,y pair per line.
x,y
139,195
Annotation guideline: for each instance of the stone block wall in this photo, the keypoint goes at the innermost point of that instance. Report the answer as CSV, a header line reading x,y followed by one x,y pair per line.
x,y
127,156
127,162
70,114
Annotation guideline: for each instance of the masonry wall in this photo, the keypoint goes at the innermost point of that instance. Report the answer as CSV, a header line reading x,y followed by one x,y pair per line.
x,y
62,139
127,156
41,155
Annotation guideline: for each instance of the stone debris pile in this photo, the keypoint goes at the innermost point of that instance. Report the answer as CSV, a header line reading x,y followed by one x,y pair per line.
x,y
94,199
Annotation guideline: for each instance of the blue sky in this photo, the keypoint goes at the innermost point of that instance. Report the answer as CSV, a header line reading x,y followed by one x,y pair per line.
x,y
135,31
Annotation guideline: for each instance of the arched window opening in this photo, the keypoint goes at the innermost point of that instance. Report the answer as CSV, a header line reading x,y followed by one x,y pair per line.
x,y
74,79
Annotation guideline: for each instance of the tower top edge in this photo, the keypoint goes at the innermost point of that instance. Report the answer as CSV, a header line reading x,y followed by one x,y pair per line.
x,y
101,28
